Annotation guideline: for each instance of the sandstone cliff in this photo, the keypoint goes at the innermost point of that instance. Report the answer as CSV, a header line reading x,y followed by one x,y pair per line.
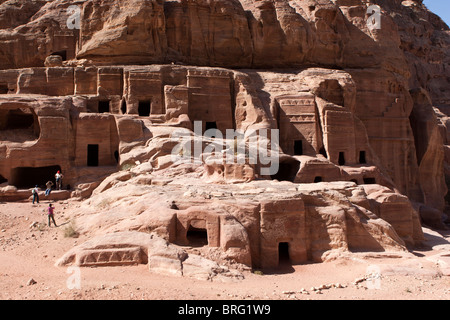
x,y
352,102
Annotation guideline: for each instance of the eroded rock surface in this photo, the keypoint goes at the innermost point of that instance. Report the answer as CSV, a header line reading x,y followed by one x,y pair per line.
x,y
103,91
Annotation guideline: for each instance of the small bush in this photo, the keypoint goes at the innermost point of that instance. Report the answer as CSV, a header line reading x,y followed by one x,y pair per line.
x,y
127,166
104,204
70,231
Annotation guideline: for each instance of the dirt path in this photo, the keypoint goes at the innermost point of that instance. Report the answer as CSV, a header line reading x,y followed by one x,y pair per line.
x,y
30,253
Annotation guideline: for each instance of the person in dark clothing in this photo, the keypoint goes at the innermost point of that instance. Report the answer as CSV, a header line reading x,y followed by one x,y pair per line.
x,y
174,206
35,193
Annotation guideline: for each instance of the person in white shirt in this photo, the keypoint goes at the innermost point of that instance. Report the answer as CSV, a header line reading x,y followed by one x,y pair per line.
x,y
58,179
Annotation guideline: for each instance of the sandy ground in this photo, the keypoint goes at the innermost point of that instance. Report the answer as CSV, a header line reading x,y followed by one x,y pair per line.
x,y
31,252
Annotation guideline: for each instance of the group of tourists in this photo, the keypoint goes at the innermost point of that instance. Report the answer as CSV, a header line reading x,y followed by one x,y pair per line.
x,y
49,185
58,181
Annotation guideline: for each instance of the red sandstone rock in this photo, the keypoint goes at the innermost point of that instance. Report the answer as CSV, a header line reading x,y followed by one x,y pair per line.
x,y
354,106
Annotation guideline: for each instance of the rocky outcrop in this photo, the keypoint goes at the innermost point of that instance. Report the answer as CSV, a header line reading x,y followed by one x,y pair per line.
x,y
133,248
252,34
121,96
245,223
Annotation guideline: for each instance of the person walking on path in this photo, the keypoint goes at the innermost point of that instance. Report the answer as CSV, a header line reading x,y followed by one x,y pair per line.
x,y
35,193
49,186
50,213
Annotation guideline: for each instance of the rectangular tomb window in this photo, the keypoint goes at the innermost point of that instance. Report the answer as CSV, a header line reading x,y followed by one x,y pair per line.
x,y
283,253
210,125
104,106
144,108
298,147
362,157
341,158
3,88
323,152
92,155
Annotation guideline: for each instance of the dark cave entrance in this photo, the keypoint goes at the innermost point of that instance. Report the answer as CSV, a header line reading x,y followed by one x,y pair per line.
x,y
197,237
283,254
370,180
92,155
28,177
287,170
3,88
298,147
62,54
17,119
19,125
104,106
362,157
341,158
144,108
211,125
